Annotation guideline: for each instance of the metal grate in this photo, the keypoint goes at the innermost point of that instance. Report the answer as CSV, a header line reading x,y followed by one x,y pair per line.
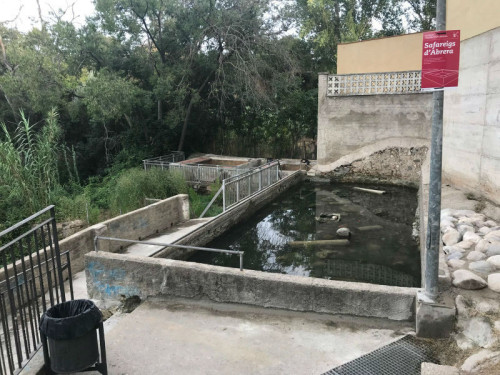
x,y
374,83
403,356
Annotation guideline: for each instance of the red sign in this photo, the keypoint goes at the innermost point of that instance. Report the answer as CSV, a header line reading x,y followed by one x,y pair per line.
x,y
440,59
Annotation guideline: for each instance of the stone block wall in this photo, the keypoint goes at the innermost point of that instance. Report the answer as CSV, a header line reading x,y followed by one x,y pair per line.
x,y
134,225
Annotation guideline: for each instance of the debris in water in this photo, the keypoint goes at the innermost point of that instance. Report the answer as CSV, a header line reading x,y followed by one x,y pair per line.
x,y
323,218
344,232
370,227
373,191
319,242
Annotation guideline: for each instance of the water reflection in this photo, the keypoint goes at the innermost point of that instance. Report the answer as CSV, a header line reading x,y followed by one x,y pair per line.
x,y
384,254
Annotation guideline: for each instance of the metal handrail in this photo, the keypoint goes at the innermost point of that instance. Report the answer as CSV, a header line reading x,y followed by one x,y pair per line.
x,y
233,252
251,171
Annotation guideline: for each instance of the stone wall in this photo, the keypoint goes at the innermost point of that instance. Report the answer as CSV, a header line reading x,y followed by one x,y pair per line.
x,y
110,276
471,134
348,124
134,225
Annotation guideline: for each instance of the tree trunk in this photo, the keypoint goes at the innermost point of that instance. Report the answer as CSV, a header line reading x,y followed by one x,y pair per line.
x,y
160,112
184,126
189,108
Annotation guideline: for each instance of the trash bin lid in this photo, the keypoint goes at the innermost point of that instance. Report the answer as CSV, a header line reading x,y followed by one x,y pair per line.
x,y
69,320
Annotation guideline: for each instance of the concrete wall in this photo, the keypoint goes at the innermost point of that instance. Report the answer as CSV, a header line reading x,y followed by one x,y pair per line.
x,y
134,225
472,17
404,52
392,54
110,276
224,221
349,124
471,152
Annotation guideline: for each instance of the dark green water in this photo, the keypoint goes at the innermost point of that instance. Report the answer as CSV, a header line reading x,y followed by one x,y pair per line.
x,y
385,255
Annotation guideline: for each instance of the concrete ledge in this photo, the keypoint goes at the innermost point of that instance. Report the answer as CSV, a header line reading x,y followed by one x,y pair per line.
x,y
111,275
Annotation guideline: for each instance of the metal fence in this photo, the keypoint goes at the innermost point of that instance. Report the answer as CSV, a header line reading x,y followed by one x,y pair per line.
x,y
32,280
205,174
374,83
237,188
164,161
194,173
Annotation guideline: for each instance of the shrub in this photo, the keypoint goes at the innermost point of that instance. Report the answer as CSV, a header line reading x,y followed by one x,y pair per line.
x,y
134,185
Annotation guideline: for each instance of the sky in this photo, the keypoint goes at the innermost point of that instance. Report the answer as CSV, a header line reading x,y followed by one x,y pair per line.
x,y
28,11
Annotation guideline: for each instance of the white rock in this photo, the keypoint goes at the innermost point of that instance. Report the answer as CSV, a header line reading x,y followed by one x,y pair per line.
x,y
451,237
493,249
487,306
474,362
463,307
446,224
478,329
452,249
494,282
475,256
494,235
471,236
477,216
482,266
466,213
482,245
467,280
484,230
490,223
495,260
455,255
343,232
466,245
464,343
447,212
466,221
456,263
496,326
462,229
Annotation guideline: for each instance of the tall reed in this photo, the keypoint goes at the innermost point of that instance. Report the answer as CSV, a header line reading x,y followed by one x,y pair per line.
x,y
28,163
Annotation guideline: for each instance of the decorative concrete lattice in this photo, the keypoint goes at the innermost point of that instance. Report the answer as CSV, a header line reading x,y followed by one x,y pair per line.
x,y
374,83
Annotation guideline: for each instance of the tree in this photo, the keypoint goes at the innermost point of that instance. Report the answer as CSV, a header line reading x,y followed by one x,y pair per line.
x,y
327,23
421,14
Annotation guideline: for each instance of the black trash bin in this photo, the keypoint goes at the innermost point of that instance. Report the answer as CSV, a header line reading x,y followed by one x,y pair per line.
x,y
71,332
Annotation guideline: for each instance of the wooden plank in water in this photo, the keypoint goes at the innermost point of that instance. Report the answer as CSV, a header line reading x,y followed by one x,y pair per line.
x,y
373,191
320,242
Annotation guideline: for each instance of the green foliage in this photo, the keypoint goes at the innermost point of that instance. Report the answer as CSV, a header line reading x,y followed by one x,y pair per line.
x,y
134,185
143,77
198,202
28,163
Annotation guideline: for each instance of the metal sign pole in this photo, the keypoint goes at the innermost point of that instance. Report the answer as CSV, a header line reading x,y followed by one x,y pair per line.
x,y
434,214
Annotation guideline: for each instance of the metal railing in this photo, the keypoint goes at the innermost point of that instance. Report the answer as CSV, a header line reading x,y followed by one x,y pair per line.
x,y
201,173
374,83
32,280
165,245
163,161
240,187
235,189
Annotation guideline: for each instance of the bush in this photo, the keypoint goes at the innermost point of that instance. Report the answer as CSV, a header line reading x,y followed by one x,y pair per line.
x,y
134,185
198,202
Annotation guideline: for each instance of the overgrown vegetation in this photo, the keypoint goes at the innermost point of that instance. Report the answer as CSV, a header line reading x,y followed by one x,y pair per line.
x,y
144,77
